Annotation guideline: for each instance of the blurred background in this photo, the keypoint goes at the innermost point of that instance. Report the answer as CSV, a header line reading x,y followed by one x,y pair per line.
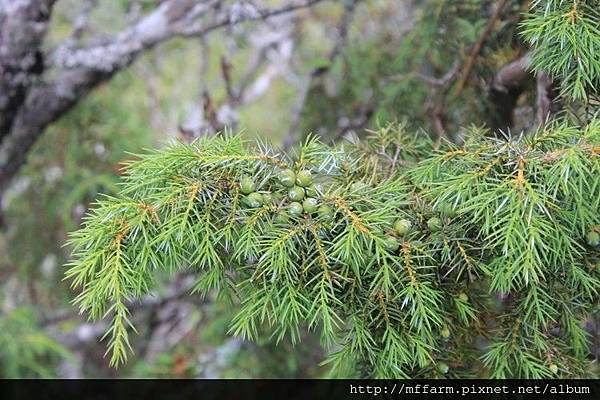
x,y
86,83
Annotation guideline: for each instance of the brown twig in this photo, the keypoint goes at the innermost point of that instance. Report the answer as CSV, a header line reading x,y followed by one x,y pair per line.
x,y
477,48
513,74
226,68
508,84
444,80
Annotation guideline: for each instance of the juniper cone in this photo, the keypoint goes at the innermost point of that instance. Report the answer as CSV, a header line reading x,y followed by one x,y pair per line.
x,y
445,332
287,178
267,198
434,224
402,226
392,244
304,178
282,217
295,208
254,200
325,212
443,368
247,185
593,238
296,193
278,196
310,205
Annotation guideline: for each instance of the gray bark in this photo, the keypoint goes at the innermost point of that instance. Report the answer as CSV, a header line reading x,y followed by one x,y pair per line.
x,y
30,100
23,25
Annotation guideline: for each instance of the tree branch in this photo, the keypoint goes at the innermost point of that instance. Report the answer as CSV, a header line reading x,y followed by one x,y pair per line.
x,y
23,25
512,75
508,84
80,70
477,48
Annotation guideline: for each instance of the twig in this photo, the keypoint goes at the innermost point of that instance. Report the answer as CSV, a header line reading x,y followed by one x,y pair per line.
x,y
272,49
437,115
353,124
444,80
226,68
509,82
195,124
257,14
477,48
82,20
210,113
512,75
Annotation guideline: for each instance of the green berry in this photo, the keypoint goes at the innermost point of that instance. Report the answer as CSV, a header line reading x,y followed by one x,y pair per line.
x,y
463,296
325,212
287,178
443,368
310,205
553,368
593,238
296,193
391,244
445,332
247,185
295,208
282,217
253,200
304,178
434,224
402,226
314,190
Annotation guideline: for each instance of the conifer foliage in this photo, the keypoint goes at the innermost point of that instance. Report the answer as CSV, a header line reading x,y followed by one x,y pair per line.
x,y
479,254
531,206
409,259
566,43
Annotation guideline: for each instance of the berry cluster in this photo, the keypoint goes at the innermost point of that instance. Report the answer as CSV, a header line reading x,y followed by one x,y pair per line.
x,y
402,227
295,194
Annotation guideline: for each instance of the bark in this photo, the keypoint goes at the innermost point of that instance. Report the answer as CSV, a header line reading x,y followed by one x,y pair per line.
x,y
23,25
509,82
30,102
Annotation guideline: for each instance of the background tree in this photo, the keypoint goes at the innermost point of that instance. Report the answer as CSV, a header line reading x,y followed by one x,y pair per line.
x,y
437,65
